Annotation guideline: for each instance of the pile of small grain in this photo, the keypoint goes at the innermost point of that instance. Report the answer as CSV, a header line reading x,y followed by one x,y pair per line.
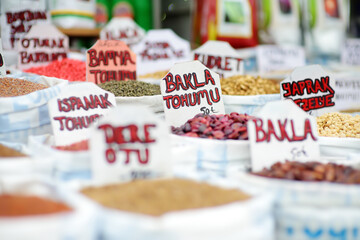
x,y
131,88
248,85
9,152
155,75
156,197
338,125
12,87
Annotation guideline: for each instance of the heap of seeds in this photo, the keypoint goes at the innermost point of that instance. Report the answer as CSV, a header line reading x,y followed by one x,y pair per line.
x,y
11,87
9,152
248,85
338,125
155,75
156,197
131,88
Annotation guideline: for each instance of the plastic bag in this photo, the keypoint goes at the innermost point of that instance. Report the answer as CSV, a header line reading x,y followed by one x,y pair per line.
x,y
26,115
73,13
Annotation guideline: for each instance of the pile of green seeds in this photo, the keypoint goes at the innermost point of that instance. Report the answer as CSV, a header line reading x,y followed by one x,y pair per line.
x,y
131,88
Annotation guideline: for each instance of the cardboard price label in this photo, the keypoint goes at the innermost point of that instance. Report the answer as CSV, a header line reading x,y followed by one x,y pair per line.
x,y
159,50
2,62
74,110
350,54
188,89
43,44
110,60
129,143
347,92
311,88
279,58
220,57
124,29
282,131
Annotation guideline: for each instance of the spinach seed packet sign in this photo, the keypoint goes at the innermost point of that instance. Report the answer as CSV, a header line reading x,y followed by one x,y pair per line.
x,y
282,131
190,88
311,88
130,143
2,62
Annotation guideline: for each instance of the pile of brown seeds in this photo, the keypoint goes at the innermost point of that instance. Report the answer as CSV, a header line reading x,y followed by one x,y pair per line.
x,y
156,197
248,85
12,87
337,124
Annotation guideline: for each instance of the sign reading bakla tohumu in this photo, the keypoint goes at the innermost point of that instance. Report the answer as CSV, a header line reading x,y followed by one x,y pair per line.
x,y
311,88
110,60
190,88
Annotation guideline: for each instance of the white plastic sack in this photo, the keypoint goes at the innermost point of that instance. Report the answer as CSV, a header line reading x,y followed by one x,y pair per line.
x,y
308,223
80,224
251,219
68,165
346,148
26,115
247,104
209,155
73,13
155,102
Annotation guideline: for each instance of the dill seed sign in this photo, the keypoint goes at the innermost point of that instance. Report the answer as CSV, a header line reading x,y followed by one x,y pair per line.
x,y
75,109
188,89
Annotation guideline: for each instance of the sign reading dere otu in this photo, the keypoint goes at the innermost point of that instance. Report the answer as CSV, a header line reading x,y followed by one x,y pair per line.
x,y
110,60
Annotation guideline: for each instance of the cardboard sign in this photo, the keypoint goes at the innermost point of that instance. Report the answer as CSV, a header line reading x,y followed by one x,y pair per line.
x,y
311,88
347,92
279,58
17,18
131,142
350,54
43,44
74,110
110,60
282,131
220,57
124,29
190,88
159,50
2,62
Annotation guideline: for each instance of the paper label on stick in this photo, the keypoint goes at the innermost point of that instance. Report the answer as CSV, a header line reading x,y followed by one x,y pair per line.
x,y
190,88
220,57
74,110
311,88
159,50
123,29
2,62
282,131
110,60
272,58
350,54
129,143
43,44
347,92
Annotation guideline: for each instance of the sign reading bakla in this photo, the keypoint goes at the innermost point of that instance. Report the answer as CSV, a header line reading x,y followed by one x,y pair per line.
x,y
311,88
110,60
190,88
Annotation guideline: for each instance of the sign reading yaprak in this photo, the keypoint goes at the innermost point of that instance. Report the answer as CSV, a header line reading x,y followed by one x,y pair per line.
x,y
311,88
43,44
220,57
282,131
190,88
110,60
75,109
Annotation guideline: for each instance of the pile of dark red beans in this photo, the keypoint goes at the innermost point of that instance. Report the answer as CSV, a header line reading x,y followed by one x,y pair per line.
x,y
222,126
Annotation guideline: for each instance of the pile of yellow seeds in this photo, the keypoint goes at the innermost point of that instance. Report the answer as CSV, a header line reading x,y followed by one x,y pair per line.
x,y
338,125
248,85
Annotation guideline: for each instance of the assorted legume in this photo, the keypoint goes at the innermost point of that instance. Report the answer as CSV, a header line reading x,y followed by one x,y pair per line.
x,y
12,87
156,197
9,152
131,88
312,171
21,205
339,125
248,85
69,69
227,126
